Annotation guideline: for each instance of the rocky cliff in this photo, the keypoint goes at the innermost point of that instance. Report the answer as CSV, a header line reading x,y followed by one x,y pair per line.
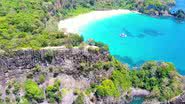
x,y
67,65
68,59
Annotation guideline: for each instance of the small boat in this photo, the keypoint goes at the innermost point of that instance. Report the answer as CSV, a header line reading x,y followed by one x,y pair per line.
x,y
123,35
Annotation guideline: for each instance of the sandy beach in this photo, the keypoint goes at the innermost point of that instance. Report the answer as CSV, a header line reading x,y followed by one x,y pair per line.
x,y
72,25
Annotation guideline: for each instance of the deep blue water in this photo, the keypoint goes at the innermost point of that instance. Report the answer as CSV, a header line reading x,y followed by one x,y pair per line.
x,y
148,38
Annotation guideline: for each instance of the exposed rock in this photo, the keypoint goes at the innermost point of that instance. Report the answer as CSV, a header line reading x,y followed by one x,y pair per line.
x,y
68,60
68,98
59,63
151,101
180,14
178,100
111,100
139,92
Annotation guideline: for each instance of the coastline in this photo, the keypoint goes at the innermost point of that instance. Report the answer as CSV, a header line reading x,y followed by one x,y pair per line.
x,y
72,25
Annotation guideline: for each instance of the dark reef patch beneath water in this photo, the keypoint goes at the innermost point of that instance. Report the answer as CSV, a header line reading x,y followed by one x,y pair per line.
x,y
129,61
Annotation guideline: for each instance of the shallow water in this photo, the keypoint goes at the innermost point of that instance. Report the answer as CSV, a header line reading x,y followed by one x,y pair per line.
x,y
148,38
137,100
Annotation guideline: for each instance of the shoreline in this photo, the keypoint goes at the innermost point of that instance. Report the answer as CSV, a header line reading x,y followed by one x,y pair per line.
x,y
72,25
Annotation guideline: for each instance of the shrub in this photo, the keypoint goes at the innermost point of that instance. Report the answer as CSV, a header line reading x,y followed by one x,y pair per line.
x,y
82,46
76,92
37,68
49,55
107,88
69,46
29,75
42,78
17,87
8,92
83,66
75,40
58,35
17,98
93,49
51,69
53,92
33,92
23,101
121,79
79,99
103,47
107,65
1,101
7,100
98,65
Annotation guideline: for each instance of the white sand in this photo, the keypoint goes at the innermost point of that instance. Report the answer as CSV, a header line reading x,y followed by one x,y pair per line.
x,y
72,25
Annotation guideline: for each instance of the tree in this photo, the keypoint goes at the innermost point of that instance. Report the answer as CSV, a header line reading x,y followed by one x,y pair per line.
x,y
107,88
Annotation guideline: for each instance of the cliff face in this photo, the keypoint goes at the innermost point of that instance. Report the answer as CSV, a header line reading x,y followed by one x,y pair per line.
x,y
54,63
68,59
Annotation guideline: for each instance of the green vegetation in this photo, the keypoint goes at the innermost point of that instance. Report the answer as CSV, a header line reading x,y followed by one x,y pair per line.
x,y
33,92
121,79
156,7
53,92
24,24
119,82
42,78
17,87
76,11
48,56
153,2
102,47
79,99
160,78
120,76
24,101
107,88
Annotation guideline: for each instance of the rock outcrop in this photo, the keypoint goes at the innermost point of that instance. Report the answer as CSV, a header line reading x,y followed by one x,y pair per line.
x,y
178,100
139,92
180,14
55,63
68,60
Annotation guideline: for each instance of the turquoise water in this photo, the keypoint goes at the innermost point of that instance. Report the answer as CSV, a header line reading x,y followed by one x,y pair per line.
x,y
137,100
148,38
